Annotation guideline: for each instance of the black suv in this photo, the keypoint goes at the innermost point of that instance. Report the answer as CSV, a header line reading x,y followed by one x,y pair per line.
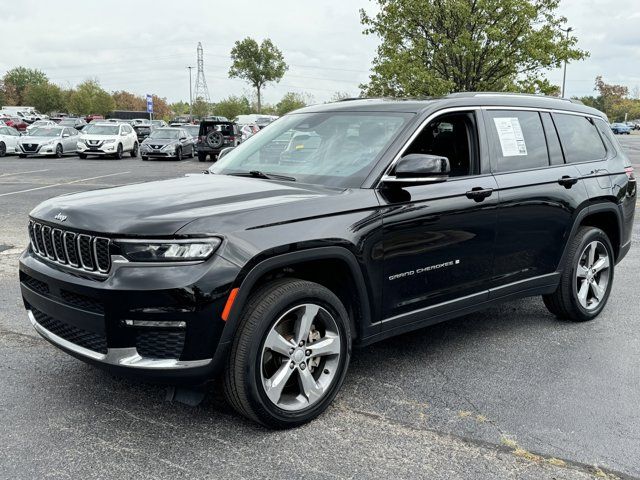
x,y
269,268
215,136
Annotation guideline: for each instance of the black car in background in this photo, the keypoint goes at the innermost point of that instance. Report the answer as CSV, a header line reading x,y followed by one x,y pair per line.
x,y
338,225
73,122
142,130
213,136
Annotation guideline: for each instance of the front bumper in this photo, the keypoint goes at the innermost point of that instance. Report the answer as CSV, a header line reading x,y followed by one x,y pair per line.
x,y
104,149
149,152
41,150
128,322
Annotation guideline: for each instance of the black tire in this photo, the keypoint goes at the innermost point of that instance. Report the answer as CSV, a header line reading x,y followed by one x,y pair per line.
x,y
58,151
564,303
134,152
118,154
3,149
242,377
22,155
83,156
179,154
202,157
145,158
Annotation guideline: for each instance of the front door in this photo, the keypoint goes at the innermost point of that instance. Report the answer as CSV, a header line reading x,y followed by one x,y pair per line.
x,y
438,238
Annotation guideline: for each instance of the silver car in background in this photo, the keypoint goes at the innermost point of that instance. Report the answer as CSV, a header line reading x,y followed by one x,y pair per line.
x,y
9,137
48,141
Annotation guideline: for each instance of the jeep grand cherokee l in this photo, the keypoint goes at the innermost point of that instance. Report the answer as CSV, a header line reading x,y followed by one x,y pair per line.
x,y
269,268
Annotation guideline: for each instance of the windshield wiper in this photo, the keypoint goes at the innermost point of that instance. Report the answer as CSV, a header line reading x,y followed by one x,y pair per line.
x,y
259,174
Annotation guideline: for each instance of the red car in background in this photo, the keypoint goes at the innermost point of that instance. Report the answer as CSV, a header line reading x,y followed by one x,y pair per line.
x,y
93,118
15,122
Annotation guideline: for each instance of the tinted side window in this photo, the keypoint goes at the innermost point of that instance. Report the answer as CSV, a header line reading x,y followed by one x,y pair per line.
x,y
607,135
579,137
518,140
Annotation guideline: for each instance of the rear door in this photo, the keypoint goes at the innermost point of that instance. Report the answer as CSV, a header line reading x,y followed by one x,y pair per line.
x,y
539,195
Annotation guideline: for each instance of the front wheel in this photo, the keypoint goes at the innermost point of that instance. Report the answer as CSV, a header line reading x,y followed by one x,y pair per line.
x,y
82,156
179,154
58,151
3,149
118,153
290,354
587,277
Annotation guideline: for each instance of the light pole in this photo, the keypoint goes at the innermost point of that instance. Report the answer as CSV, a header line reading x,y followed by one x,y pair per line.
x,y
190,97
564,73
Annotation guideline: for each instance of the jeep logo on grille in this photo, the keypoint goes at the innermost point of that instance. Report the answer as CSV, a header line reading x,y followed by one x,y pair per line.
x,y
60,217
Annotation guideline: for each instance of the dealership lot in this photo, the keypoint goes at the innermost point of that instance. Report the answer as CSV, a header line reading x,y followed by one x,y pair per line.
x,y
507,393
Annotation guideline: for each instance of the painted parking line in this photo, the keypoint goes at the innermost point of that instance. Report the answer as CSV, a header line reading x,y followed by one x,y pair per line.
x,y
23,173
64,183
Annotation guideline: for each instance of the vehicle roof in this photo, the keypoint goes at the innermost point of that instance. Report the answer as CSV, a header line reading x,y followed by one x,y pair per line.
x,y
465,99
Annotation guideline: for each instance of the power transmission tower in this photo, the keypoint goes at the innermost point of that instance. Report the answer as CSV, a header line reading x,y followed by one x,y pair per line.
x,y
202,91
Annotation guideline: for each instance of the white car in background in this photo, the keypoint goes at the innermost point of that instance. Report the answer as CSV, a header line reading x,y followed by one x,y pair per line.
x,y
41,123
107,139
9,137
47,141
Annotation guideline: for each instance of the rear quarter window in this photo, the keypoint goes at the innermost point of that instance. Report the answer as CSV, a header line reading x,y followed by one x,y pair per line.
x,y
579,137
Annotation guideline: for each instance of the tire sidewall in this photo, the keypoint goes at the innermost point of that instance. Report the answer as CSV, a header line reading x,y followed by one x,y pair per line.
x,y
253,380
594,234
3,149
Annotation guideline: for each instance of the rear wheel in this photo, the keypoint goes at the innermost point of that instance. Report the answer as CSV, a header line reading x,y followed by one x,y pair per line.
x,y
3,149
134,152
587,277
290,354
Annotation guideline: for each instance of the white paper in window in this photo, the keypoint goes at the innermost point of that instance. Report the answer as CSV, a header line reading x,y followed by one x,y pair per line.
x,y
510,135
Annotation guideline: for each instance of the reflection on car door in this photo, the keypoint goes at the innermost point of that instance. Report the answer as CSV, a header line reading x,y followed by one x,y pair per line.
x,y
539,194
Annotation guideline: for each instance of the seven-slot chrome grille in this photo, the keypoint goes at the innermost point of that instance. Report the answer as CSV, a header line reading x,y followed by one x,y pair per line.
x,y
76,250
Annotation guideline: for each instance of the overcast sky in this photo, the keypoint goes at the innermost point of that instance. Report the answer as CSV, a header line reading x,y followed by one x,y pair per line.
x,y
144,46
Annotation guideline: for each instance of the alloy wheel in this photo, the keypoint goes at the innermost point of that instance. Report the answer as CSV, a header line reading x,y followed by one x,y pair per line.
x,y
592,275
300,357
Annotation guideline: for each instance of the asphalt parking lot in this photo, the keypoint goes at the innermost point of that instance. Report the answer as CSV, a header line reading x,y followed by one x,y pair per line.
x,y
507,393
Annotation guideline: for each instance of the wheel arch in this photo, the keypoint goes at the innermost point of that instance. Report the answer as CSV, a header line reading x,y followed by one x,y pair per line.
x,y
333,267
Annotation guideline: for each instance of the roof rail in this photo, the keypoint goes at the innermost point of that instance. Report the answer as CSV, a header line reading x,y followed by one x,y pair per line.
x,y
505,94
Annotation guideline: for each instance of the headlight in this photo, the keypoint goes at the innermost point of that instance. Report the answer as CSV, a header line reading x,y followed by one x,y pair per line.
x,y
169,147
49,142
109,141
176,251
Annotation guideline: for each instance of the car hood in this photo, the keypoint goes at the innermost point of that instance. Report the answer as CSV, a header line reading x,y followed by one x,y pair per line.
x,y
88,136
159,141
161,208
34,139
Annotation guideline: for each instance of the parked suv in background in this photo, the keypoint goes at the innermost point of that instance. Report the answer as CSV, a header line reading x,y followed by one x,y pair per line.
x,y
269,269
112,139
214,136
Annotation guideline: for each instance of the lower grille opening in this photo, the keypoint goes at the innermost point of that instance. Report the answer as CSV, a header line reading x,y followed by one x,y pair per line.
x,y
34,284
160,344
81,301
83,338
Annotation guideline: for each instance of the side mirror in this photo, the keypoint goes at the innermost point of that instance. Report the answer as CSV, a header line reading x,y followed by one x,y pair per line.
x,y
183,138
65,135
224,151
418,168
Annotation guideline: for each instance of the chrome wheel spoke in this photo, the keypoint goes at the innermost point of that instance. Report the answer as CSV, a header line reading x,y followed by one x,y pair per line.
x,y
601,264
329,345
309,386
591,254
583,292
582,271
278,343
597,290
275,384
304,322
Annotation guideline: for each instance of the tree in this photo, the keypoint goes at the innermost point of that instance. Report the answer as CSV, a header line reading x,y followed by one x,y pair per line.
x,y
161,108
45,97
179,108
128,101
232,106
257,64
89,98
17,80
292,101
200,108
434,47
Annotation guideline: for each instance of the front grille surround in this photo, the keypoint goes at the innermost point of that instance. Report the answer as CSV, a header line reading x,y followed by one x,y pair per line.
x,y
79,251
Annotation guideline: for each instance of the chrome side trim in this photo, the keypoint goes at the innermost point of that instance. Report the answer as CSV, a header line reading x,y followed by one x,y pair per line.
x,y
122,357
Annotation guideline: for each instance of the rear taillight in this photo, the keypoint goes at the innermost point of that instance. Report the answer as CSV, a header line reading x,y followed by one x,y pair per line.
x,y
629,172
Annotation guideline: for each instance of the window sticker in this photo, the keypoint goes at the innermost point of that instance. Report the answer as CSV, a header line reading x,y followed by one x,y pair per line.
x,y
510,135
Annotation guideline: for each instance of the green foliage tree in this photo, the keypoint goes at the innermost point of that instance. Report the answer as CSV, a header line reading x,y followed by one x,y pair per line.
x,y
201,108
292,101
613,100
45,97
89,97
434,47
257,64
179,108
17,80
232,106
